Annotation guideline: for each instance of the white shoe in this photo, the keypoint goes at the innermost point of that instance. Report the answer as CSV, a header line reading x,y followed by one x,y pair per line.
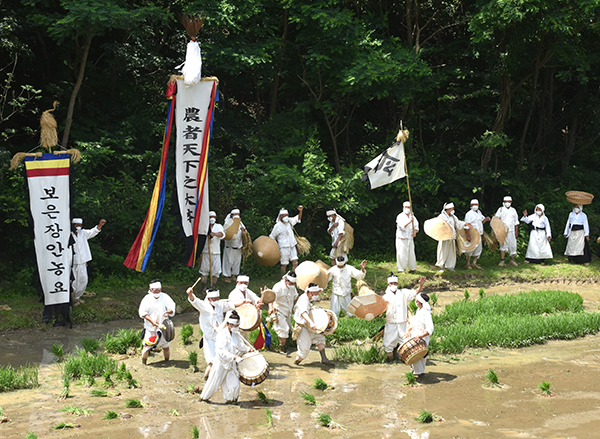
x,y
501,264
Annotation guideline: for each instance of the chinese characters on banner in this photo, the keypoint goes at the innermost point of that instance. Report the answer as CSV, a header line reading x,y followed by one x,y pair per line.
x,y
386,167
48,181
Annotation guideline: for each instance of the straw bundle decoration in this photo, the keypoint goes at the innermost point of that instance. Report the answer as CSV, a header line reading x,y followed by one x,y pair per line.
x,y
192,24
402,136
302,244
363,288
48,133
346,243
246,245
490,241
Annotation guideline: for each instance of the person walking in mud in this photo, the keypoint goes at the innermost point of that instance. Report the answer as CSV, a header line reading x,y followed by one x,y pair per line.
x,y
421,327
81,256
155,308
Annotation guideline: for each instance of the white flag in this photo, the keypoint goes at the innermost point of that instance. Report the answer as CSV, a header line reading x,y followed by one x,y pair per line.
x,y
387,167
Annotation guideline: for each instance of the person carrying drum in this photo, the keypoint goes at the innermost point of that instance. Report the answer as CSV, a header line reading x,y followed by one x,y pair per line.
x,y
211,264
241,293
211,315
396,314
232,251
283,233
154,309
281,310
477,220
230,346
421,327
341,276
303,331
336,228
509,217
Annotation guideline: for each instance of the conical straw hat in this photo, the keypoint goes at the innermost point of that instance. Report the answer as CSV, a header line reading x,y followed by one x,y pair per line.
x,y
500,229
232,229
308,272
265,251
438,229
464,245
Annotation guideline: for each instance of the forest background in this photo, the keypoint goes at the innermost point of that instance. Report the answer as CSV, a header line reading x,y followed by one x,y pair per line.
x,y
500,97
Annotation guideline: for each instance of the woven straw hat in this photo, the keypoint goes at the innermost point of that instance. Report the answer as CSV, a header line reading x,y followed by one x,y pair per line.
x,y
500,229
308,272
464,245
265,251
438,229
232,229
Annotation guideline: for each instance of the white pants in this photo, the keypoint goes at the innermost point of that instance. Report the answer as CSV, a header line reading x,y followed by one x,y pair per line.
x,y
209,350
340,302
510,244
393,335
232,257
446,254
305,340
80,281
228,380
288,254
405,255
477,251
214,260
419,366
282,325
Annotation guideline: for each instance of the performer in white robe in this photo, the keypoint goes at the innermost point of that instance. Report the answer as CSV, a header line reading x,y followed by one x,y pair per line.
x,y
538,249
154,308
509,216
81,256
304,331
396,314
421,327
577,231
341,276
281,310
241,293
232,251
477,220
407,227
229,350
336,228
215,235
283,233
446,250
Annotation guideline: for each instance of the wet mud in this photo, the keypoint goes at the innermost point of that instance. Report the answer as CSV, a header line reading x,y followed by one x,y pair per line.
x,y
366,401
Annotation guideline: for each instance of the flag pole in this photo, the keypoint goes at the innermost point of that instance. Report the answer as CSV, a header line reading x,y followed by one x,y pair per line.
x,y
402,137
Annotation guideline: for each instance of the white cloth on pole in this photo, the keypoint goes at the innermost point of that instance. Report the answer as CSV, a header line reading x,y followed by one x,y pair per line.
x,y
387,167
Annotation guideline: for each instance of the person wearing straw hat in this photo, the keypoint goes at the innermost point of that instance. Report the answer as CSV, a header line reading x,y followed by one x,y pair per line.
x,y
154,308
232,251
283,233
211,312
336,229
509,217
212,263
281,309
421,327
477,220
305,338
538,249
577,231
229,347
407,227
341,275
396,314
81,256
446,250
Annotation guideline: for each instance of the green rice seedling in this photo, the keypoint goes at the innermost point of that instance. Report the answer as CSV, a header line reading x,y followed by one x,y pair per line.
x,y
481,293
263,397
109,414
324,419
122,372
31,435
434,299
269,423
174,412
544,386
74,410
195,432
90,345
187,331
425,417
360,354
123,341
350,329
25,377
88,365
193,359
320,384
133,383
467,295
411,380
308,398
492,378
90,380
108,382
63,426
64,394
99,393
412,306
134,404
58,350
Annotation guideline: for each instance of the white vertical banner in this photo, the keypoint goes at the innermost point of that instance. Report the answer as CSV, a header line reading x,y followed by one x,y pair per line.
x,y
48,181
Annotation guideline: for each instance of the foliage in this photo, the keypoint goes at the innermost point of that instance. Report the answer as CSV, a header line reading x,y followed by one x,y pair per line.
x,y
360,354
187,331
411,380
351,328
88,366
109,414
25,377
308,398
31,435
195,432
320,384
133,403
90,345
193,359
58,350
324,419
492,378
425,417
544,387
74,410
63,426
122,341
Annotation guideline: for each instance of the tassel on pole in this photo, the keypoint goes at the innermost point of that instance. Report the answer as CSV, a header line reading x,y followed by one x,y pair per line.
x,y
48,133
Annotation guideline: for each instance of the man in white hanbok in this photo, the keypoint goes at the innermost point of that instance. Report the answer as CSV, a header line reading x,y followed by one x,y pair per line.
x,y
509,217
477,220
304,331
336,228
421,327
81,256
396,314
281,310
210,318
446,250
407,227
232,251
283,233
241,293
230,346
212,262
538,249
154,308
577,231
341,275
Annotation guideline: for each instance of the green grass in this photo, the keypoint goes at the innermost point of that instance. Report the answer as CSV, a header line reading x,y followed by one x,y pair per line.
x,y
320,384
124,341
134,404
425,417
58,350
360,354
187,331
308,398
74,410
86,365
90,345
25,377
195,432
544,386
31,435
491,378
411,380
109,414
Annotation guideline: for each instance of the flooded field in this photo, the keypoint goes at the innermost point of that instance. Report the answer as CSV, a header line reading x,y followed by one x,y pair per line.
x,y
367,401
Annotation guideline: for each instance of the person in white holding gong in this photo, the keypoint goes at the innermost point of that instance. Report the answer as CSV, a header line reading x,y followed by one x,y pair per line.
x,y
421,327
154,309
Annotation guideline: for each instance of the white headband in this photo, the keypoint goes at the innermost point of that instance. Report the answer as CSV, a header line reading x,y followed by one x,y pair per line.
x,y
232,319
475,201
508,198
340,263
235,212
449,206
423,302
213,294
290,278
330,212
77,221
212,213
243,278
155,285
406,204
392,279
283,212
314,289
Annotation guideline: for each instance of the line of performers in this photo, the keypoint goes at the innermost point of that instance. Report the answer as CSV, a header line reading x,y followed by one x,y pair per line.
x,y
225,345
576,231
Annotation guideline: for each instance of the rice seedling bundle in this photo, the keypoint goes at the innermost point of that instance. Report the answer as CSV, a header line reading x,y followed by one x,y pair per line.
x,y
110,415
360,354
193,359
99,393
350,329
308,398
324,419
544,386
122,341
89,365
320,384
133,403
492,378
411,380
31,435
261,395
90,345
174,412
25,377
74,410
63,425
58,350
187,331
434,299
425,417
195,432
269,423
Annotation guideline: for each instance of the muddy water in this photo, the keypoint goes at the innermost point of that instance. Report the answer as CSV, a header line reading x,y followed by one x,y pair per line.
x,y
367,401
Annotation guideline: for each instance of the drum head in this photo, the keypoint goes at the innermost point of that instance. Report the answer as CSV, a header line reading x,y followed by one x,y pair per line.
x,y
438,229
253,368
249,317
320,317
268,296
332,324
168,330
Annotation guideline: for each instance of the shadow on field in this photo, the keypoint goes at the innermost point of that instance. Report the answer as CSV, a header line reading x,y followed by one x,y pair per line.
x,y
162,364
436,377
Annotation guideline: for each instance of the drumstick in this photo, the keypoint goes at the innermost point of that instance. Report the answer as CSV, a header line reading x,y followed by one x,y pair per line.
x,y
196,283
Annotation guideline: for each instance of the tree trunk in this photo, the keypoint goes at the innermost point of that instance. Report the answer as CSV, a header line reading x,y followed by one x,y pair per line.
x,y
69,121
